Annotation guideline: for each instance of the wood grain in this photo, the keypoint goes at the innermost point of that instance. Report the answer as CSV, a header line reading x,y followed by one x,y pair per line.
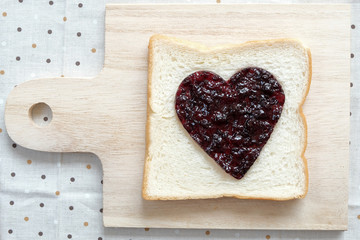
x,y
106,115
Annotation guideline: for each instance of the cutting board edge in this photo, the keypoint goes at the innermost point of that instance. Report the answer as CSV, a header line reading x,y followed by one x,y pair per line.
x,y
112,222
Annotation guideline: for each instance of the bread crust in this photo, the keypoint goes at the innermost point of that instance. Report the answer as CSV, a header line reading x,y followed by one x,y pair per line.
x,y
147,128
203,48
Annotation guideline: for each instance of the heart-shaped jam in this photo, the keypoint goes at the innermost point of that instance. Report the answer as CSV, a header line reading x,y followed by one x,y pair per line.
x,y
231,120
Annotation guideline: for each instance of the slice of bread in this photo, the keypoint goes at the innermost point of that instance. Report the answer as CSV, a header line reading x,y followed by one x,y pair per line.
x,y
177,168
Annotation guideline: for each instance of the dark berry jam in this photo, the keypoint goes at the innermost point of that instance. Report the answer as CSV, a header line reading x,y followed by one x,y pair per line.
x,y
231,120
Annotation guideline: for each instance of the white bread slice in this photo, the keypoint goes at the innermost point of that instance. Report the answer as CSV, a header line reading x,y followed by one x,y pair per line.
x,y
177,168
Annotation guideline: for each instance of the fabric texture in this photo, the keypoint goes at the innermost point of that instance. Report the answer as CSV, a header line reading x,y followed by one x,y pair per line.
x,y
59,196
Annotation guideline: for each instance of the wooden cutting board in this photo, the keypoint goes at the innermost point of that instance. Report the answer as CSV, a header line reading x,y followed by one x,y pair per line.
x,y
106,115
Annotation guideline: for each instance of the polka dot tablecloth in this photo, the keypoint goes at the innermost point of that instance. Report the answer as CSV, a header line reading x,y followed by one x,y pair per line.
x,y
59,196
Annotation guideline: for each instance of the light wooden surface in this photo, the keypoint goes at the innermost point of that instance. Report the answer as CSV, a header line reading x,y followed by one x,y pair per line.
x,y
106,115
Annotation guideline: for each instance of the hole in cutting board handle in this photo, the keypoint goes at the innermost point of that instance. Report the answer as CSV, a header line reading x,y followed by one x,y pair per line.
x,y
41,114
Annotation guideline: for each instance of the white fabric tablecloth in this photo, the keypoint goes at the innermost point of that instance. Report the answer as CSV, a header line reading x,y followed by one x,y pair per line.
x,y
59,196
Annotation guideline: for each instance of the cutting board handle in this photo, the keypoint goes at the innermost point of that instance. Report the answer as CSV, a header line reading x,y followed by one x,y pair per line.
x,y
28,117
